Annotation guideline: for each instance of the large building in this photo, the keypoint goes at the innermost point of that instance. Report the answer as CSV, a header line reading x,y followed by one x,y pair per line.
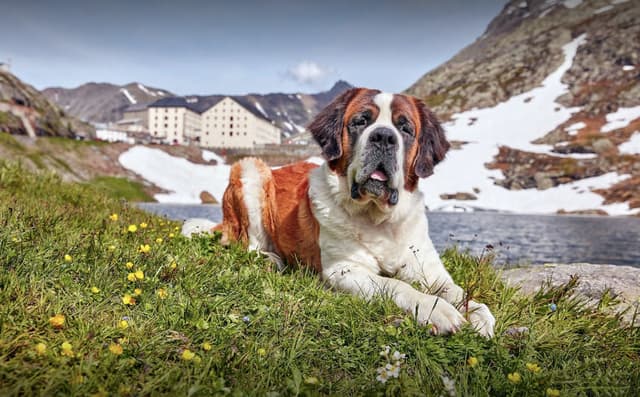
x,y
214,122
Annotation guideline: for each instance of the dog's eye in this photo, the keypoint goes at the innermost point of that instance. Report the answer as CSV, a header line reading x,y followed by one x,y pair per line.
x,y
405,126
360,121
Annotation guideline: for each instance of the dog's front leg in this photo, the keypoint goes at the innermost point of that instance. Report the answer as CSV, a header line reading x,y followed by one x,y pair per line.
x,y
428,309
430,272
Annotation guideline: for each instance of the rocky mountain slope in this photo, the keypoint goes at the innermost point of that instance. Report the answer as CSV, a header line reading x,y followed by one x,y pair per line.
x,y
292,112
545,107
102,102
25,111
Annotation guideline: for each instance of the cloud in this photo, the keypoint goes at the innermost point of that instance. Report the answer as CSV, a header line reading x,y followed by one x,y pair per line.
x,y
309,72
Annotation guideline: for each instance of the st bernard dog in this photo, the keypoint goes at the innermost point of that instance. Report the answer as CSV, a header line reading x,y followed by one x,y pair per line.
x,y
358,219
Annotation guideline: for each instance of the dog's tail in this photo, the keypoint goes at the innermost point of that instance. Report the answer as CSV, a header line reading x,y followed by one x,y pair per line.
x,y
197,225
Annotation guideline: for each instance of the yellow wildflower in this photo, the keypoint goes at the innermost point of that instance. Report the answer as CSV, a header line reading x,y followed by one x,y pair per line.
x,y
111,247
472,361
67,258
137,292
123,324
41,348
129,265
159,240
553,392
115,349
206,346
131,277
95,290
514,377
171,235
77,380
139,274
132,228
113,217
188,355
143,225
176,228
14,239
311,380
262,352
57,321
162,293
533,367
145,248
67,349
173,265
128,300
197,359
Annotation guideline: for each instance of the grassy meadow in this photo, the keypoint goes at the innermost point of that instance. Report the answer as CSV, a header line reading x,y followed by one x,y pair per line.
x,y
98,298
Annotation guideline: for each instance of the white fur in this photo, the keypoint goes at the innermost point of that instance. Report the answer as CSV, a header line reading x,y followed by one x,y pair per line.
x,y
382,256
197,225
253,194
384,119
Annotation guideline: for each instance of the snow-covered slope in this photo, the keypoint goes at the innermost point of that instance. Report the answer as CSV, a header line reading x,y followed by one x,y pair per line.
x,y
182,179
514,123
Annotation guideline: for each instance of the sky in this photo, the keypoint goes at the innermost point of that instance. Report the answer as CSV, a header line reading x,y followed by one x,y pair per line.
x,y
237,46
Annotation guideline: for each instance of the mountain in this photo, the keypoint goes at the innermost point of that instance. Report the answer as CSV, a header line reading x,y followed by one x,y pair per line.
x,y
102,102
292,112
25,111
544,111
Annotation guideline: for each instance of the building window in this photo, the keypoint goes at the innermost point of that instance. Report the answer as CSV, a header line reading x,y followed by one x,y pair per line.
x,y
230,125
223,133
245,134
166,126
230,133
231,118
166,118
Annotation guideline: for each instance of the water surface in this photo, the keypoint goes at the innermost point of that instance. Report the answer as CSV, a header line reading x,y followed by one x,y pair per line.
x,y
516,239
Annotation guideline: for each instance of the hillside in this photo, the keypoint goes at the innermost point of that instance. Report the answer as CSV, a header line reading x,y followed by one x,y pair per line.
x,y
25,111
545,109
102,299
102,102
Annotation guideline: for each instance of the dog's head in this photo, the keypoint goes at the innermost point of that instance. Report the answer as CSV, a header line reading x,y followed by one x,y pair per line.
x,y
380,142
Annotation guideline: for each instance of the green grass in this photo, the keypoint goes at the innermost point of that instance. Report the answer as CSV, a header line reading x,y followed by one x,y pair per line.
x,y
120,188
271,333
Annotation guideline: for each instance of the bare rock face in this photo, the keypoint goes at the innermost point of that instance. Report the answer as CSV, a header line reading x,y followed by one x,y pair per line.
x,y
623,282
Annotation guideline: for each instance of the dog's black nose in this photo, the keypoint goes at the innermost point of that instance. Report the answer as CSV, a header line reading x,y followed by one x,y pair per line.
x,y
383,136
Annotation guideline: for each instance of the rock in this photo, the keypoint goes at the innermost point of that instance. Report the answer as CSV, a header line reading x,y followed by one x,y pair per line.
x,y
207,198
602,145
622,281
458,196
543,181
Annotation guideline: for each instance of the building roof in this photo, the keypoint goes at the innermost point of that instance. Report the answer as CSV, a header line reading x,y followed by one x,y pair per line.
x,y
201,104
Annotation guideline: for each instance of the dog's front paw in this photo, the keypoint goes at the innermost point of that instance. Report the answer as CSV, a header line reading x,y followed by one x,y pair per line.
x,y
442,315
481,319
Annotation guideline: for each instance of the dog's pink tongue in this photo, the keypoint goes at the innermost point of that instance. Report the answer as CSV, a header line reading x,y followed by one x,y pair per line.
x,y
378,176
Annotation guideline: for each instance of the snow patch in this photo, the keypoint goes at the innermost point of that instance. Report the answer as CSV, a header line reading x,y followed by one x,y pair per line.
x,y
575,127
632,146
616,2
260,109
145,90
208,155
603,9
128,95
183,179
621,118
627,68
572,3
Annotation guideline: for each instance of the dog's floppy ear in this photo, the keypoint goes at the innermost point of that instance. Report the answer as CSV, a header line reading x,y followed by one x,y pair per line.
x,y
432,144
326,127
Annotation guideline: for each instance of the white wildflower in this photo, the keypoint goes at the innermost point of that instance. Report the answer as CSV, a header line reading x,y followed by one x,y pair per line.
x,y
383,375
397,356
449,385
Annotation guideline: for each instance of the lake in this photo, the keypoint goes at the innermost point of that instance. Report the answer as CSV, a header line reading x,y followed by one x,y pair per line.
x,y
515,238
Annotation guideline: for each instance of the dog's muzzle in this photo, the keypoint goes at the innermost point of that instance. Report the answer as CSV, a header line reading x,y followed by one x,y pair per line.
x,y
379,166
